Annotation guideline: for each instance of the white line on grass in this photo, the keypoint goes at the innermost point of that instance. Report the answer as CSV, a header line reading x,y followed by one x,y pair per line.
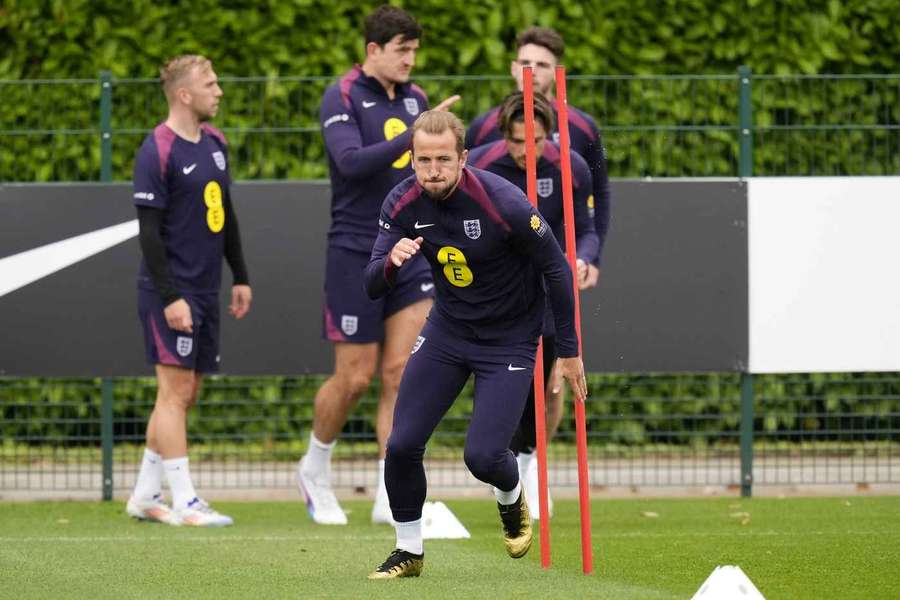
x,y
330,538
207,538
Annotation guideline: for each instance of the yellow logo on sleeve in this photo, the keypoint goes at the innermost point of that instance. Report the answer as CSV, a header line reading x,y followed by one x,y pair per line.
x,y
590,202
538,225
392,128
455,268
215,213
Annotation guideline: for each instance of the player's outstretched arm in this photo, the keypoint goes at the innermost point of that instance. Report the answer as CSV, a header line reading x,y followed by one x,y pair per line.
x,y
343,140
448,102
404,250
590,279
381,271
537,240
602,193
587,242
572,370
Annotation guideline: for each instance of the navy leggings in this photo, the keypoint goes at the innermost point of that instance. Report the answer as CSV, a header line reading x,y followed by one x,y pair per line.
x,y
436,372
525,438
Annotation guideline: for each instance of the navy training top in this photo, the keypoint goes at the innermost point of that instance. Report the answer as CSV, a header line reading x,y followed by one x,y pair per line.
x,y
490,253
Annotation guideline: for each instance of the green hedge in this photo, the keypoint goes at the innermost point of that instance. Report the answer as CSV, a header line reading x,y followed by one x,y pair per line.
x,y
690,410
50,131
78,38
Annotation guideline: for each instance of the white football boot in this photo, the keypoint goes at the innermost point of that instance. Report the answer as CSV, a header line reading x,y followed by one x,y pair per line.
x,y
321,502
200,514
152,509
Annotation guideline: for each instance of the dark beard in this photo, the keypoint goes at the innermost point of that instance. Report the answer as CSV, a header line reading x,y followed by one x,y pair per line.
x,y
443,194
437,196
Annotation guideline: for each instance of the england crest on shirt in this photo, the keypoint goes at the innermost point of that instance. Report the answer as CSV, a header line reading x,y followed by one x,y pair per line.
x,y
349,324
184,345
412,106
472,228
545,187
220,160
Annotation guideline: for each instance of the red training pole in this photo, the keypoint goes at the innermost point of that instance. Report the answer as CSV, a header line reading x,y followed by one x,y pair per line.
x,y
587,558
539,416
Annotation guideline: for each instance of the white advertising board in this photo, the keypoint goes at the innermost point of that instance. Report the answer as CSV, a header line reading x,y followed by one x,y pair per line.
x,y
824,281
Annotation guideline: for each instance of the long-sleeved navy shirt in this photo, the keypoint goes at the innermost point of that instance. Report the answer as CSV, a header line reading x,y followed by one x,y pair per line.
x,y
585,140
490,252
367,140
494,157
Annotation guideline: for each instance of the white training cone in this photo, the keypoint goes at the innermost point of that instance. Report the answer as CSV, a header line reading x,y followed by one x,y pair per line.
x,y
728,583
439,523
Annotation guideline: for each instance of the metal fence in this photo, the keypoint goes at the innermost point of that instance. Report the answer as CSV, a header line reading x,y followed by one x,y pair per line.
x,y
647,431
658,126
731,430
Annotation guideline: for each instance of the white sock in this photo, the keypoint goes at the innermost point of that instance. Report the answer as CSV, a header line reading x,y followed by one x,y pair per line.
x,y
381,490
179,478
149,479
318,455
409,536
524,461
507,498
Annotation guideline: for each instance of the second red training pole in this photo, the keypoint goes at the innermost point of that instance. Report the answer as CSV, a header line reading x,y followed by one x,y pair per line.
x,y
587,558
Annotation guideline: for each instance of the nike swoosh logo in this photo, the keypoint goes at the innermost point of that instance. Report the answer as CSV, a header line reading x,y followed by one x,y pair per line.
x,y
368,104
512,368
423,226
187,170
18,270
426,287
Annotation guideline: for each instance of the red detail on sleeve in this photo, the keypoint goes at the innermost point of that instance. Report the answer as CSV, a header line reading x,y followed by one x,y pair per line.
x,y
578,120
494,152
414,192
216,133
489,124
347,82
164,138
419,91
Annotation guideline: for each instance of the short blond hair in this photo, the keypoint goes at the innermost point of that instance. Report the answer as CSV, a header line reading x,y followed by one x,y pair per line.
x,y
173,73
436,122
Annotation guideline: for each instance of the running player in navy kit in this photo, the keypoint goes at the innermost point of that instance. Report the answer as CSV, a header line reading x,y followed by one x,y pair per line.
x,y
365,120
490,254
187,224
506,157
541,49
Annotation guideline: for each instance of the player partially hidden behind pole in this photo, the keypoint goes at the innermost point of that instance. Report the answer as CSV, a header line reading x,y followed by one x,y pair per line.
x,y
187,224
365,120
541,49
490,253
506,158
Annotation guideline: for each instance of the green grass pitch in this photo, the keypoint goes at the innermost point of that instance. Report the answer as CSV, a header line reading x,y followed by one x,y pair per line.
x,y
792,548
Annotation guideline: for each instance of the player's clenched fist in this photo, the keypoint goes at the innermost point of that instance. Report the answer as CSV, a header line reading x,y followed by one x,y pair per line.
x,y
404,250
